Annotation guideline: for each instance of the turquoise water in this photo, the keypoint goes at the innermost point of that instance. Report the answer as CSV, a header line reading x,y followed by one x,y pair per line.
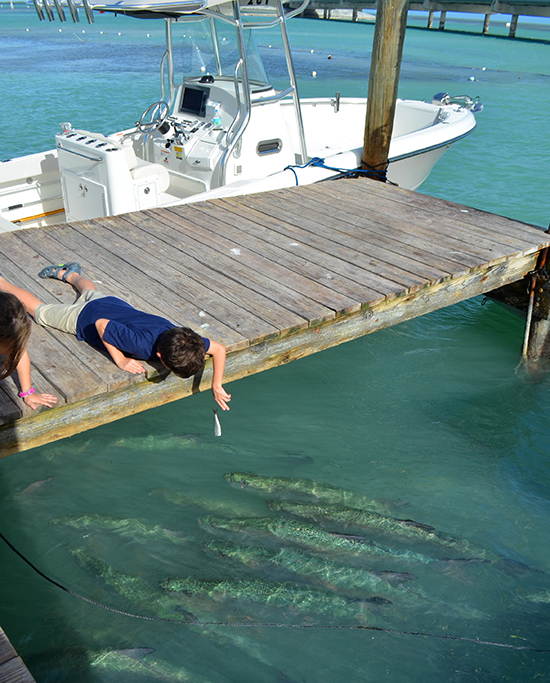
x,y
432,418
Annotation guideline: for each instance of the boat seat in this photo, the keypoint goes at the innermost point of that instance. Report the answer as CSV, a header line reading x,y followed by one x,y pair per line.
x,y
141,170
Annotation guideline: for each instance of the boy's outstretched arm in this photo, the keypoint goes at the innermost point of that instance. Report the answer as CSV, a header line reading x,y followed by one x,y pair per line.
x,y
217,351
24,374
121,361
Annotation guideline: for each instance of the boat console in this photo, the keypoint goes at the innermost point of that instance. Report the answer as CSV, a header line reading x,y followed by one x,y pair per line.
x,y
168,158
145,167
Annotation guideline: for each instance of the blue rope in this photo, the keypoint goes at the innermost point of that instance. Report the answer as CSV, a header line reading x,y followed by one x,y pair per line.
x,y
350,173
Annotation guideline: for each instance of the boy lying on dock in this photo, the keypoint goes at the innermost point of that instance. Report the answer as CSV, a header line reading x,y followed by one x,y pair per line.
x,y
109,323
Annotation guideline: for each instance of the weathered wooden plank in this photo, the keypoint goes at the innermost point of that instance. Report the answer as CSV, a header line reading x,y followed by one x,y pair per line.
x,y
12,668
263,280
10,407
381,243
457,241
209,229
390,279
300,255
205,287
7,651
9,389
75,418
275,302
319,250
482,222
14,671
470,236
393,232
297,270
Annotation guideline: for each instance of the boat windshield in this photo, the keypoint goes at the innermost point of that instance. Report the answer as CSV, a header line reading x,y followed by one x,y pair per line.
x,y
210,46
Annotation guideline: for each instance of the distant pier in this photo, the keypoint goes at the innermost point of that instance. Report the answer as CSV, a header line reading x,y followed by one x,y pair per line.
x,y
327,9
274,276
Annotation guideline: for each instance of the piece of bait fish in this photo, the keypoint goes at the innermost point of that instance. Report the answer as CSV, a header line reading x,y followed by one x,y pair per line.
x,y
217,425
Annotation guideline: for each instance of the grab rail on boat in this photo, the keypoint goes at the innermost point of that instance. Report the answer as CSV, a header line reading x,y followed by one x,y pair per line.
x,y
79,154
473,104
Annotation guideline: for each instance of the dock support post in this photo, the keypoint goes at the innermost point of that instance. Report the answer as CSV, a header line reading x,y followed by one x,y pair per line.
x,y
486,24
536,343
430,18
513,26
354,14
387,49
442,18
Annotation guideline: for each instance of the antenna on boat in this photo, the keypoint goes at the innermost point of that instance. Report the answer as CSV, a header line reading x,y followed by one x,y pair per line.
x,y
42,6
48,9
60,11
88,11
38,10
73,10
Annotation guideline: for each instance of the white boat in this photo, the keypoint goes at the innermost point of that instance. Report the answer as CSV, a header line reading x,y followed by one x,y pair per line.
x,y
218,129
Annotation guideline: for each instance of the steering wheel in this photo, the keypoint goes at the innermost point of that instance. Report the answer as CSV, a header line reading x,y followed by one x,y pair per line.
x,y
156,115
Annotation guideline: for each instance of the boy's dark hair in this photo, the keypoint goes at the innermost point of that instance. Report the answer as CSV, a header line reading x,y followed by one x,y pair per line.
x,y
182,351
15,329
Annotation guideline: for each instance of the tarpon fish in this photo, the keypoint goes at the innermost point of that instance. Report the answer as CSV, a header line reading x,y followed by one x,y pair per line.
x,y
284,594
335,575
365,519
147,666
138,662
542,597
332,574
34,487
221,507
311,537
285,487
157,602
152,442
133,588
133,528
217,425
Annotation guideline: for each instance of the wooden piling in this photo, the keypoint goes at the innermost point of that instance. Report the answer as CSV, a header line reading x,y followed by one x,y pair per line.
x,y
513,26
442,18
486,21
387,49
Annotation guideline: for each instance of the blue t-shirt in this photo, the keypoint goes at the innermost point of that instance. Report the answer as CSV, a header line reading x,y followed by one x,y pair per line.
x,y
133,332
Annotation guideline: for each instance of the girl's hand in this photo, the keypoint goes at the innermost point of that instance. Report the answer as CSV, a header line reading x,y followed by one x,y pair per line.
x,y
36,399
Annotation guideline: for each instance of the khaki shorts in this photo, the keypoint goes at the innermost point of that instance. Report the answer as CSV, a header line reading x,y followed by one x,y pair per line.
x,y
64,316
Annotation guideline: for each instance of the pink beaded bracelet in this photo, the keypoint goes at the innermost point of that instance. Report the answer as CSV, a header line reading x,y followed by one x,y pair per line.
x,y
22,394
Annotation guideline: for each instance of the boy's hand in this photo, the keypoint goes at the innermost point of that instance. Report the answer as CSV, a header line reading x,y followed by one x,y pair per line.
x,y
130,365
36,399
221,397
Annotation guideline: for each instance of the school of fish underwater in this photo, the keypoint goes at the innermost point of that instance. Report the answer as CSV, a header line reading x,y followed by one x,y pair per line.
x,y
282,553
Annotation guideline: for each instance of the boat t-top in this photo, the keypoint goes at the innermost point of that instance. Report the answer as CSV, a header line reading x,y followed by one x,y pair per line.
x,y
219,127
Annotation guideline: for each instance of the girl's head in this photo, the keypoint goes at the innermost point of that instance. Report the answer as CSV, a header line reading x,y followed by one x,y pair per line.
x,y
15,328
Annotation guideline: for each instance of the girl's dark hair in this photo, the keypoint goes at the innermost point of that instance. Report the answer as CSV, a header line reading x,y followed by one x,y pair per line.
x,y
182,351
15,328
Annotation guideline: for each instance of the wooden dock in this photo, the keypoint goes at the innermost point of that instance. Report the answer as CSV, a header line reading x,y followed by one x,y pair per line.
x,y
274,276
12,669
